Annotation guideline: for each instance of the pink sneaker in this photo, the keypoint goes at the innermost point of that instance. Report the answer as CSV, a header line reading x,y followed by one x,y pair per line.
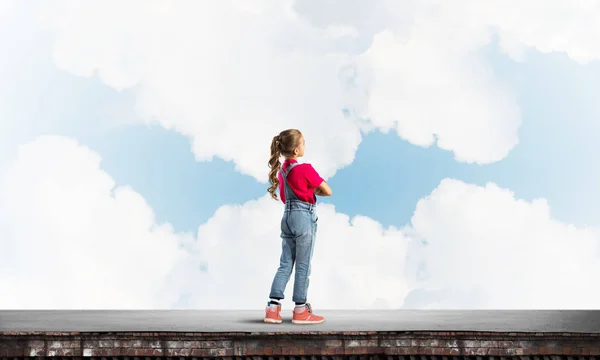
x,y
306,316
272,315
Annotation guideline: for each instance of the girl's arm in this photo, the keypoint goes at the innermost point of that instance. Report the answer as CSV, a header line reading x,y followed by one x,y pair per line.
x,y
323,189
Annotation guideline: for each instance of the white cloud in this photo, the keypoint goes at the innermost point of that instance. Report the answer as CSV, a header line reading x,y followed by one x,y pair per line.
x,y
231,74
70,239
429,94
486,249
231,77
67,232
570,27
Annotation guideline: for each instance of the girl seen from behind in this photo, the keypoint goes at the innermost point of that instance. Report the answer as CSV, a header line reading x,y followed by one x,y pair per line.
x,y
298,186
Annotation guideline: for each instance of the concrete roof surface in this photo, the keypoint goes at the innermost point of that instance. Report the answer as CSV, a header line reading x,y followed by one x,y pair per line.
x,y
587,321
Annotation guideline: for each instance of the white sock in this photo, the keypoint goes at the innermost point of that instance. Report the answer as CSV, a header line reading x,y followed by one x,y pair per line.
x,y
299,308
274,303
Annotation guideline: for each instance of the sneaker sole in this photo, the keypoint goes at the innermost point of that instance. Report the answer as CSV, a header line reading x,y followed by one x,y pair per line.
x,y
306,322
272,321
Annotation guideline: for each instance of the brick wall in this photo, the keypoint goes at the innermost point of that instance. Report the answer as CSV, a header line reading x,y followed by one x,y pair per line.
x,y
273,345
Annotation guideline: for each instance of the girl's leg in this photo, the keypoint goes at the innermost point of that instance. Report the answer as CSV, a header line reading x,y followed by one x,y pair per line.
x,y
286,263
305,244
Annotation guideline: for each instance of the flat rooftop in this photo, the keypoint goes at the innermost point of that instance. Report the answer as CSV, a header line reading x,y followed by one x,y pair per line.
x,y
213,321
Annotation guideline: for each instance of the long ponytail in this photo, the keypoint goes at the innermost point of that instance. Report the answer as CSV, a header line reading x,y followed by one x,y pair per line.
x,y
282,145
275,165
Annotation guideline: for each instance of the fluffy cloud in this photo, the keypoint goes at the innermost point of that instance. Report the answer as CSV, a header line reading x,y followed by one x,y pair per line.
x,y
70,239
569,27
231,74
479,247
67,232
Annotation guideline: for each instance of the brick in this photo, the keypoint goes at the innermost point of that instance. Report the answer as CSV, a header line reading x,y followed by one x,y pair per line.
x,y
429,343
137,344
225,352
526,344
224,344
67,352
355,343
333,343
154,344
425,350
395,351
413,350
191,344
449,343
116,343
55,345
174,344
489,344
471,343
360,350
475,351
36,344
106,344
531,351
16,352
394,343
36,352
372,351
511,352
203,352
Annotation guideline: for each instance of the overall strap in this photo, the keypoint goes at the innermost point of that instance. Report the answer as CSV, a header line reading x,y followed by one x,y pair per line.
x,y
289,193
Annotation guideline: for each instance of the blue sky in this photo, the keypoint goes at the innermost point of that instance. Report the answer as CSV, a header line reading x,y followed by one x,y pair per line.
x,y
148,103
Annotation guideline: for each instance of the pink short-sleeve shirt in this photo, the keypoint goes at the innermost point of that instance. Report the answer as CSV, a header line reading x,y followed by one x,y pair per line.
x,y
303,180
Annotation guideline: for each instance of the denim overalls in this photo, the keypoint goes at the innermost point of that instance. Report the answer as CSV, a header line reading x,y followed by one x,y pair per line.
x,y
298,232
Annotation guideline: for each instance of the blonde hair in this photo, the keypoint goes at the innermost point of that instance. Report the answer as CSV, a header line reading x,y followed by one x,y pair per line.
x,y
282,144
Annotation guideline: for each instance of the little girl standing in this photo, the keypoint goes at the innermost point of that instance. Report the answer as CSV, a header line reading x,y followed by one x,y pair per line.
x,y
297,190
